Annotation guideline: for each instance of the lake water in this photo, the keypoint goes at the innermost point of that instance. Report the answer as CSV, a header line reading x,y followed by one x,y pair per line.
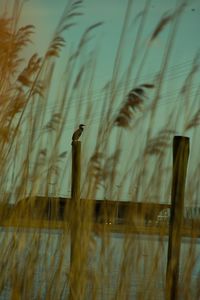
x,y
142,251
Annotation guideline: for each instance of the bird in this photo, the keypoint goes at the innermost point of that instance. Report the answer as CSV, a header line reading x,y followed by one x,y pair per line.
x,y
76,135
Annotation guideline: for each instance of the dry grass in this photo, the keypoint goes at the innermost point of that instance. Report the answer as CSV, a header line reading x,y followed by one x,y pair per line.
x,y
125,153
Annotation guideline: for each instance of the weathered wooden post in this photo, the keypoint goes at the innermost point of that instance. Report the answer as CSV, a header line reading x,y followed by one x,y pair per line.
x,y
76,171
75,223
180,161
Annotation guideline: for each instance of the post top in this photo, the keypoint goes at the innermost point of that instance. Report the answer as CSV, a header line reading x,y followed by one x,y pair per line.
x,y
181,137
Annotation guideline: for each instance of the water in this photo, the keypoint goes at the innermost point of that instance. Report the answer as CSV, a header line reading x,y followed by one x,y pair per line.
x,y
52,245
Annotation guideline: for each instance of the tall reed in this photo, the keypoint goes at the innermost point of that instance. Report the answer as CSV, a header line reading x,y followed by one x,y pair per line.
x,y
126,151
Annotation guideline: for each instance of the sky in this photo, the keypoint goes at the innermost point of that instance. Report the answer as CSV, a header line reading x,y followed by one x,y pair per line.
x,y
45,15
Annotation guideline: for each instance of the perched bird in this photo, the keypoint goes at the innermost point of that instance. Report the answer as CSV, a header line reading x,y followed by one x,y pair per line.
x,y
76,135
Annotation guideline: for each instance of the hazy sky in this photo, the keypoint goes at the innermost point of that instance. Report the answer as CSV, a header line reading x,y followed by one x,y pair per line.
x,y
45,15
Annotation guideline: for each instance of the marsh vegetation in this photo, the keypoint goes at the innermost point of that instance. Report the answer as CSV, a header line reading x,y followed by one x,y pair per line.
x,y
125,150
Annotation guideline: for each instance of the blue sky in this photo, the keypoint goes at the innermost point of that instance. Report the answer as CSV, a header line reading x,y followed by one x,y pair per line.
x,y
45,15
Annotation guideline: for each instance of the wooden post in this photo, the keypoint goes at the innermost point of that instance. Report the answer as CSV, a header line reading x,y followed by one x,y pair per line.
x,y
75,222
180,160
76,171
